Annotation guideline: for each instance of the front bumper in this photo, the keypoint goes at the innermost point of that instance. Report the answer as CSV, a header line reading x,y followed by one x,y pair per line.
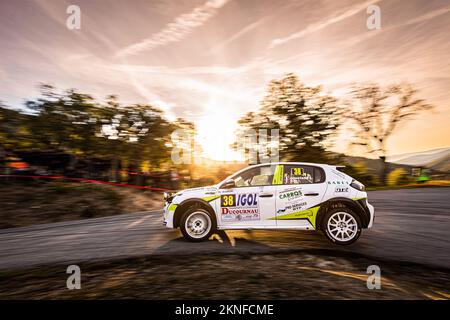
x,y
367,212
168,214
372,215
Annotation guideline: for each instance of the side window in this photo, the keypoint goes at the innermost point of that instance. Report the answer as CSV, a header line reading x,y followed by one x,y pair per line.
x,y
259,176
298,174
319,175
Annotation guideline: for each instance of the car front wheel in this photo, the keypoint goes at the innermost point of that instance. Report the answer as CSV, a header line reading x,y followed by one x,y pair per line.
x,y
197,224
342,226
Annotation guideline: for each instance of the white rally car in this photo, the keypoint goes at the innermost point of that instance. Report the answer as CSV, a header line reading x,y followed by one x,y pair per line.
x,y
284,195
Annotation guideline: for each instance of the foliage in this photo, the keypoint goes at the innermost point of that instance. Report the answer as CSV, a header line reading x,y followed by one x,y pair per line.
x,y
304,116
359,172
75,123
377,113
397,177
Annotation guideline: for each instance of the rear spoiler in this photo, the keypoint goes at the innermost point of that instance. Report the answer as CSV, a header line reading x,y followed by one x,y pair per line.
x,y
339,168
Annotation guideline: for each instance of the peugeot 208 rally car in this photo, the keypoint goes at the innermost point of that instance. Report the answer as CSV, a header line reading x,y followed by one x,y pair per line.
x,y
284,195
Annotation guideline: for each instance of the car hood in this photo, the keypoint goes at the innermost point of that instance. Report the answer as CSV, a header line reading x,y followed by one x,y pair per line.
x,y
198,190
195,193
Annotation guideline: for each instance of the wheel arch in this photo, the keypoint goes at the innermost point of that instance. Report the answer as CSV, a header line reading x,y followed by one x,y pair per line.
x,y
184,205
357,206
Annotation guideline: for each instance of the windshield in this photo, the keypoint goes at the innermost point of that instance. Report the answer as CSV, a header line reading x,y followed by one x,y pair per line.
x,y
256,176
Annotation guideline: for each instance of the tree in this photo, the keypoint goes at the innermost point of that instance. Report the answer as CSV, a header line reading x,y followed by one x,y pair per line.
x,y
75,123
378,112
360,172
304,116
13,132
68,121
397,177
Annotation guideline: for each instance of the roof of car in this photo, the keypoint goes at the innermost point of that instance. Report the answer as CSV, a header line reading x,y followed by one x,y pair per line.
x,y
302,163
285,162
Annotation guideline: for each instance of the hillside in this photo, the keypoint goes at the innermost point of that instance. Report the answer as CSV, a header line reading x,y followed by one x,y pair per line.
x,y
427,158
442,164
374,166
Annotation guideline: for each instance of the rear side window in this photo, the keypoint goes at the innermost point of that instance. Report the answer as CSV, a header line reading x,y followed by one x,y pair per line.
x,y
299,174
319,175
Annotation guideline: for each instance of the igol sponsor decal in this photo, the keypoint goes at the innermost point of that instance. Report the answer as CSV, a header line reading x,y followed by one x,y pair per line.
x,y
290,195
239,200
341,189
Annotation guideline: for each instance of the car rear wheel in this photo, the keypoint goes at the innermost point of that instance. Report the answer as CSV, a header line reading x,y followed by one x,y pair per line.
x,y
197,224
342,226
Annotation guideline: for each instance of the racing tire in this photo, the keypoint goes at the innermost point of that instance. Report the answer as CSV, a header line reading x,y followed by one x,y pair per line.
x,y
197,224
342,226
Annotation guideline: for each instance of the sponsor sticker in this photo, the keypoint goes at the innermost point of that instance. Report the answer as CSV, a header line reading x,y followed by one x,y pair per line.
x,y
292,207
298,206
339,182
239,207
341,189
240,214
239,200
290,195
297,172
297,176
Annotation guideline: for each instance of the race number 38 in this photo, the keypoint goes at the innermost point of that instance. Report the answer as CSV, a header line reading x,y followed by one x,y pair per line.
x,y
228,200
240,200
296,171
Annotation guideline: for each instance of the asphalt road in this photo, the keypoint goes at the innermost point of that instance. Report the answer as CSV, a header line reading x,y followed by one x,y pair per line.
x,y
411,225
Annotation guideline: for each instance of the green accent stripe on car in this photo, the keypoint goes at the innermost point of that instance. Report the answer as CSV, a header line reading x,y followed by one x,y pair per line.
x,y
309,214
278,175
211,198
172,207
356,199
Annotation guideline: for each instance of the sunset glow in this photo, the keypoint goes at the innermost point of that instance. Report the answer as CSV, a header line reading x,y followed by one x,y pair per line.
x,y
209,61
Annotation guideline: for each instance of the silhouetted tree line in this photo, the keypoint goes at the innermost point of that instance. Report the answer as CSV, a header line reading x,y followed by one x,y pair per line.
x,y
73,123
307,118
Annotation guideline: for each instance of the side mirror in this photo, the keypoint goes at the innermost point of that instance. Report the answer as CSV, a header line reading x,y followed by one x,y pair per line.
x,y
229,184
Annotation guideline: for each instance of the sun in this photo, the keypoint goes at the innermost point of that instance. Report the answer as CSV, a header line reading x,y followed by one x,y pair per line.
x,y
216,133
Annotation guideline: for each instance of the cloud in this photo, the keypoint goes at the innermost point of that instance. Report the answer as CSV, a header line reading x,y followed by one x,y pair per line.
x,y
428,16
373,33
176,30
193,70
324,23
242,32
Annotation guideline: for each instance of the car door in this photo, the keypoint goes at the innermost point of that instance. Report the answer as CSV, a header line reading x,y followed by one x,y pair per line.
x,y
251,203
299,196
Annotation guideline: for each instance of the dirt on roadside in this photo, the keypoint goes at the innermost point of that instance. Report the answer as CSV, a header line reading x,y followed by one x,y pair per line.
x,y
36,202
253,276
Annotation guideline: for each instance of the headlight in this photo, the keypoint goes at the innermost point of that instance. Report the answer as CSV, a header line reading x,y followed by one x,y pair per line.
x,y
357,185
168,196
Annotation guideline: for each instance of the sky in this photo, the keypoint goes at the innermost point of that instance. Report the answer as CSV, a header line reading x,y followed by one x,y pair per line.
x,y
210,61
